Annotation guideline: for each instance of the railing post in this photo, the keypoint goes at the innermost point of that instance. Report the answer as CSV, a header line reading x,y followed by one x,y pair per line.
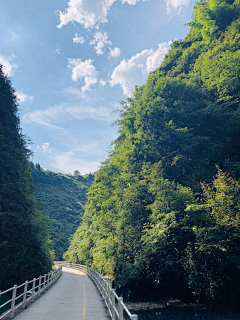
x,y
44,283
51,278
105,291
120,301
13,301
33,289
39,286
134,317
109,293
100,282
25,295
102,287
113,305
48,282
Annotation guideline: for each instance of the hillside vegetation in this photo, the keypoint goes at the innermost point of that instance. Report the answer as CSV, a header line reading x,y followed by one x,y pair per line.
x,y
163,214
62,198
24,243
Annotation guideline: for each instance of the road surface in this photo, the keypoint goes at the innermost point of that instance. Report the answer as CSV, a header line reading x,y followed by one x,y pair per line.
x,y
72,297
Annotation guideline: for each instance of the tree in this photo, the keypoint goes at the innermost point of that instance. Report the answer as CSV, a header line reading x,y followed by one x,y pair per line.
x,y
212,260
24,244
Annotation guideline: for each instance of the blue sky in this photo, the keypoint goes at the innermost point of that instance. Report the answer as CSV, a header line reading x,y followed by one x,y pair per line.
x,y
72,62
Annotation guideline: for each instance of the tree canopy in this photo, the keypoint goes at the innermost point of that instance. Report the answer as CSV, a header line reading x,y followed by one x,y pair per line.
x,y
24,243
163,212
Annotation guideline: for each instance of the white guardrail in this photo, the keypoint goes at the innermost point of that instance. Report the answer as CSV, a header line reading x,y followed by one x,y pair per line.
x,y
115,305
18,296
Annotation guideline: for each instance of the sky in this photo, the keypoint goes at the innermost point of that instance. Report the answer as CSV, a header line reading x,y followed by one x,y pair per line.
x,y
72,62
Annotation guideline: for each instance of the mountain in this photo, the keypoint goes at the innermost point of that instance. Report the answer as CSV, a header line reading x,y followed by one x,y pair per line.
x,y
62,198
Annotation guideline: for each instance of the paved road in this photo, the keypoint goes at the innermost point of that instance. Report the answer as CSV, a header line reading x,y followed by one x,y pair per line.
x,y
73,297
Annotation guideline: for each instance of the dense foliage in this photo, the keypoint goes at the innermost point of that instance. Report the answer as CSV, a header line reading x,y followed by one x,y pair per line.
x,y
164,210
24,244
62,198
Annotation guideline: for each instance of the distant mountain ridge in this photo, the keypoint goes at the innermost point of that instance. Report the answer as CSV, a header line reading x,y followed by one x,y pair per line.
x,y
62,198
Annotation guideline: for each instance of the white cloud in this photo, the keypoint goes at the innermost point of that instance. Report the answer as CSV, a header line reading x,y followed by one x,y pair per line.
x,y
68,161
58,50
131,2
44,117
135,70
176,4
86,12
83,69
101,40
155,58
74,93
115,52
22,97
62,113
103,82
78,39
8,67
101,113
89,13
45,148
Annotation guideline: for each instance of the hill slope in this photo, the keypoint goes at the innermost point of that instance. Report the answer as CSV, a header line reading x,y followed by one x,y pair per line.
x,y
163,212
62,198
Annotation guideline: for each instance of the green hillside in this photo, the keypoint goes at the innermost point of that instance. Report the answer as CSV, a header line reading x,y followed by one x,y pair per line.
x,y
24,244
162,217
62,198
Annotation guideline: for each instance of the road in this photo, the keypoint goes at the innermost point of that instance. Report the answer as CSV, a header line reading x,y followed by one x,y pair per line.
x,y
73,297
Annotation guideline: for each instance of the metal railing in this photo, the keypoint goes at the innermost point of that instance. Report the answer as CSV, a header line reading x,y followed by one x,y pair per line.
x,y
18,296
115,305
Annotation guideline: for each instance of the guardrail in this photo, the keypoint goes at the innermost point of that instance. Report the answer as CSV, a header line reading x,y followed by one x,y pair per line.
x,y
18,296
115,305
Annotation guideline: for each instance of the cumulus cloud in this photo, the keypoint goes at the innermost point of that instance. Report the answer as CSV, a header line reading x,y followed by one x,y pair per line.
x,y
156,57
83,69
61,113
78,39
176,5
9,66
22,97
135,70
86,12
101,40
115,52
89,13
103,82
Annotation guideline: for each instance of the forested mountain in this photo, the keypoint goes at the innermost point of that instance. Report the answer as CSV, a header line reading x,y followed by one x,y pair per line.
x,y
24,245
62,198
164,209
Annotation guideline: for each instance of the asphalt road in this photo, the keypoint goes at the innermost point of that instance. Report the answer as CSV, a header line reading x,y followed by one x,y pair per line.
x,y
73,297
